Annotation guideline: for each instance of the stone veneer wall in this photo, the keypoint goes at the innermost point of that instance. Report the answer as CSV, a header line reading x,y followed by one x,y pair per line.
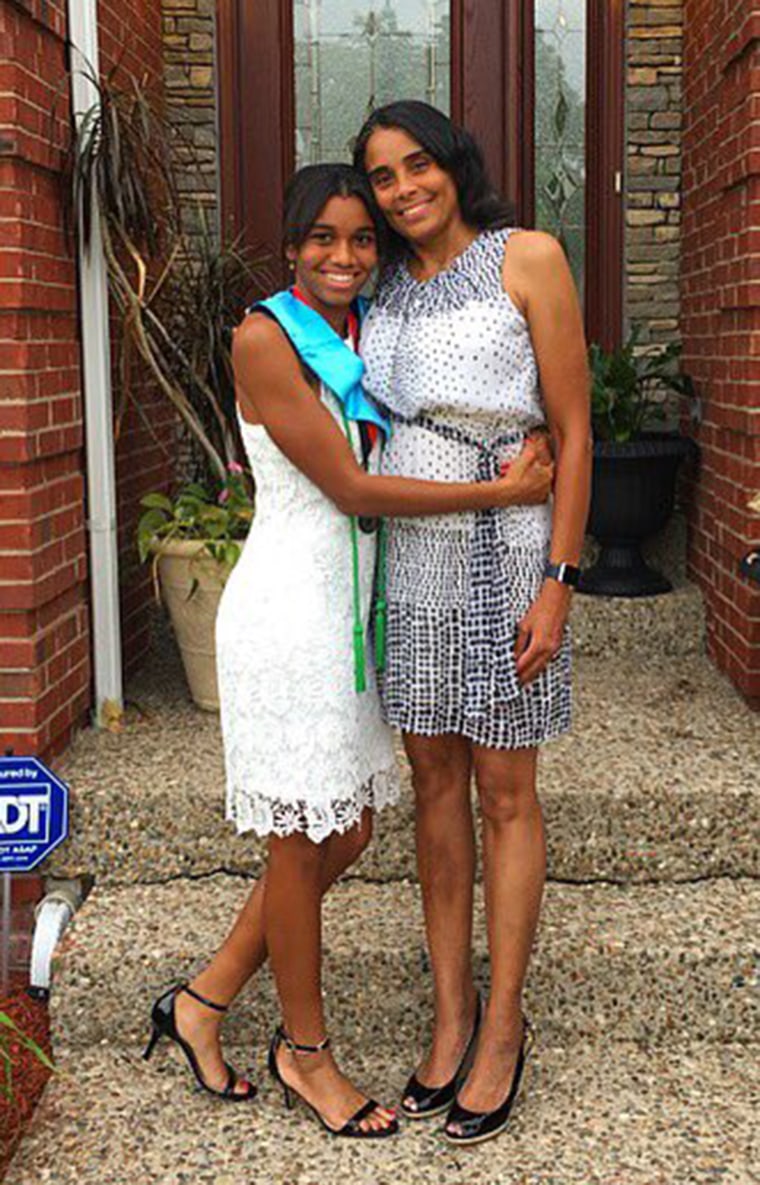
x,y
653,140
189,77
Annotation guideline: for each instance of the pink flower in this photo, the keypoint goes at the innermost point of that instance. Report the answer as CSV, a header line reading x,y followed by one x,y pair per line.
x,y
235,468
224,495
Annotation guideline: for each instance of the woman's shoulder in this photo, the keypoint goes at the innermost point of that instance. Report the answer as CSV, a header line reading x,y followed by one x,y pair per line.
x,y
536,247
389,282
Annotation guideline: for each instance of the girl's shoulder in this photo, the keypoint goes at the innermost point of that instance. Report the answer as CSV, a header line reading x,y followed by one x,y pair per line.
x,y
263,341
258,330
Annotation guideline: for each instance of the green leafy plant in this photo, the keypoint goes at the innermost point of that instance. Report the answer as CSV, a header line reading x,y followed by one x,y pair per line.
x,y
628,388
220,521
10,1033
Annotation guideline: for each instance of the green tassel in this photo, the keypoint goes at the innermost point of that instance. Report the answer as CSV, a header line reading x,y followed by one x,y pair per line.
x,y
380,602
360,670
380,614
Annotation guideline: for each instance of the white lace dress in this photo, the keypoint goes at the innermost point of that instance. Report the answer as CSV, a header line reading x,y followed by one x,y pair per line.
x,y
303,750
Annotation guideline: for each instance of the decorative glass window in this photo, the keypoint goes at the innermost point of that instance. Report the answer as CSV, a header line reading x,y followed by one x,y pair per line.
x,y
354,55
560,124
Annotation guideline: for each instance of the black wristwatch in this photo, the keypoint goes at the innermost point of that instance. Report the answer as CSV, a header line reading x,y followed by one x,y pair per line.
x,y
564,573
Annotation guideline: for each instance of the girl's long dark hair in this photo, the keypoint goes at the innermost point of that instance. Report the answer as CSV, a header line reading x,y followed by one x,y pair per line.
x,y
310,189
454,149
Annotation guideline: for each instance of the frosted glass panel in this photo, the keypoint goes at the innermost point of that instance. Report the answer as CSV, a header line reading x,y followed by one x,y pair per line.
x,y
354,55
560,128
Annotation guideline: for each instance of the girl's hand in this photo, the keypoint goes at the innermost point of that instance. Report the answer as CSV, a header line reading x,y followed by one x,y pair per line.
x,y
539,634
527,481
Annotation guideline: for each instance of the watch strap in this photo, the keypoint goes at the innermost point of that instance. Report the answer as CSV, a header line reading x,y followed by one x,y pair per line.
x,y
564,573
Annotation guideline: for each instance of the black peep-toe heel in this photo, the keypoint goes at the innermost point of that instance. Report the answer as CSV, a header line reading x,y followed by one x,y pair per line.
x,y
164,1024
477,1126
428,1101
352,1128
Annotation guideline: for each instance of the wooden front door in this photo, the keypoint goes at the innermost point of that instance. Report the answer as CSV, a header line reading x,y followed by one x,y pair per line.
x,y
538,82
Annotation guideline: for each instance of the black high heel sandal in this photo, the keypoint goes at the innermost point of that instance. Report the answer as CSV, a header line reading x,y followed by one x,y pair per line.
x,y
165,1025
352,1128
433,1100
477,1126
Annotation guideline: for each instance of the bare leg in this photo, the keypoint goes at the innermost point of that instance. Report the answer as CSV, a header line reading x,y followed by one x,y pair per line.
x,y
292,918
245,950
514,858
446,864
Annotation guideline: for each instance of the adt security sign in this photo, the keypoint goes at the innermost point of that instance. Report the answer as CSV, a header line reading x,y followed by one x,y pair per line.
x,y
34,813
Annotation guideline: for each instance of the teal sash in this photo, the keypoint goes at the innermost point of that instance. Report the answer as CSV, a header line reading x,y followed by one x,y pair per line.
x,y
324,352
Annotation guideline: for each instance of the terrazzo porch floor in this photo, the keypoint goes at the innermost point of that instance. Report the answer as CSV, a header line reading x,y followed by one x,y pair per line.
x,y
647,963
645,992
615,1114
657,782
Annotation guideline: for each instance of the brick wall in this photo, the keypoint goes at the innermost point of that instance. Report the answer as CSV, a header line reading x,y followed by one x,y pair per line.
x,y
653,167
44,641
45,678
721,315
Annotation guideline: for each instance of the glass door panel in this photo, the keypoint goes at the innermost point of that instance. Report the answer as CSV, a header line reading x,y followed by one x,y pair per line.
x,y
560,125
354,55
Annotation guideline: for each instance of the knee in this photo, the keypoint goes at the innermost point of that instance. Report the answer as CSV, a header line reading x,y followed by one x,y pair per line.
x,y
436,781
504,798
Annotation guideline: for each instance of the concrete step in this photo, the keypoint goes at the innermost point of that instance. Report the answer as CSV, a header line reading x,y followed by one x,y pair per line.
x,y
658,781
610,1115
647,963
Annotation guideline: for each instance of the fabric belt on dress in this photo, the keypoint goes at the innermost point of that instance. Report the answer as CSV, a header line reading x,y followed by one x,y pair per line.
x,y
490,667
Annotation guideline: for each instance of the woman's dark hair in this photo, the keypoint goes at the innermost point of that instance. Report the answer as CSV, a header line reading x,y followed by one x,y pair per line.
x,y
454,149
310,189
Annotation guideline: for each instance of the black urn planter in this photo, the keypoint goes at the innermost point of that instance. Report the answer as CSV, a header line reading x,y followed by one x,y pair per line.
x,y
633,495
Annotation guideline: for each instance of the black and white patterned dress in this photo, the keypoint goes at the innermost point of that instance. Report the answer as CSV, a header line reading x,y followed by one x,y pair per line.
x,y
452,360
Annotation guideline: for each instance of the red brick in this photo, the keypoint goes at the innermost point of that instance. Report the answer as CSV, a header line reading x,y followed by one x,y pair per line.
x,y
721,326
45,635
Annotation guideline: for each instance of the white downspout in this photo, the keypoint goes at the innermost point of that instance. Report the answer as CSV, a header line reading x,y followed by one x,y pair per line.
x,y
52,916
96,366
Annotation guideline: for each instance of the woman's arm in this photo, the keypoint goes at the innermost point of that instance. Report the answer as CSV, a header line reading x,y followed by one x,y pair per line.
x,y
271,390
537,273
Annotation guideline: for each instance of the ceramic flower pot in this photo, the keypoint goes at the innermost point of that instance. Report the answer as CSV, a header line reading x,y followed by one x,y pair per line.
x,y
191,586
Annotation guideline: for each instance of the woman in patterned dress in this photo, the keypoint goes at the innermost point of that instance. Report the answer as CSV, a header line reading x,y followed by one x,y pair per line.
x,y
307,758
474,340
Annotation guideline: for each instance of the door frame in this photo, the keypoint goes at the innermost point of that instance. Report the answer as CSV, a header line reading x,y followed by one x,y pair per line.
x,y
491,94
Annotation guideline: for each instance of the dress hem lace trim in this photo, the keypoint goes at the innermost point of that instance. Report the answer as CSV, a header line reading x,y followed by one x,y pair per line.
x,y
272,816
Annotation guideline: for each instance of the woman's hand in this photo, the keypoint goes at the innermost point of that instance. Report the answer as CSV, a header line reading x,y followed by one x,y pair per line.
x,y
542,442
527,481
539,634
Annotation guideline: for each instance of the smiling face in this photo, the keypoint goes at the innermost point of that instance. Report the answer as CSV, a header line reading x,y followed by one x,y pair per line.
x,y
336,258
418,197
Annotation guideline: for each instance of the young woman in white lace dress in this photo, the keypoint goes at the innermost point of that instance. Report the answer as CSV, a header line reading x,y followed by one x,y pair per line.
x,y
308,758
474,340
